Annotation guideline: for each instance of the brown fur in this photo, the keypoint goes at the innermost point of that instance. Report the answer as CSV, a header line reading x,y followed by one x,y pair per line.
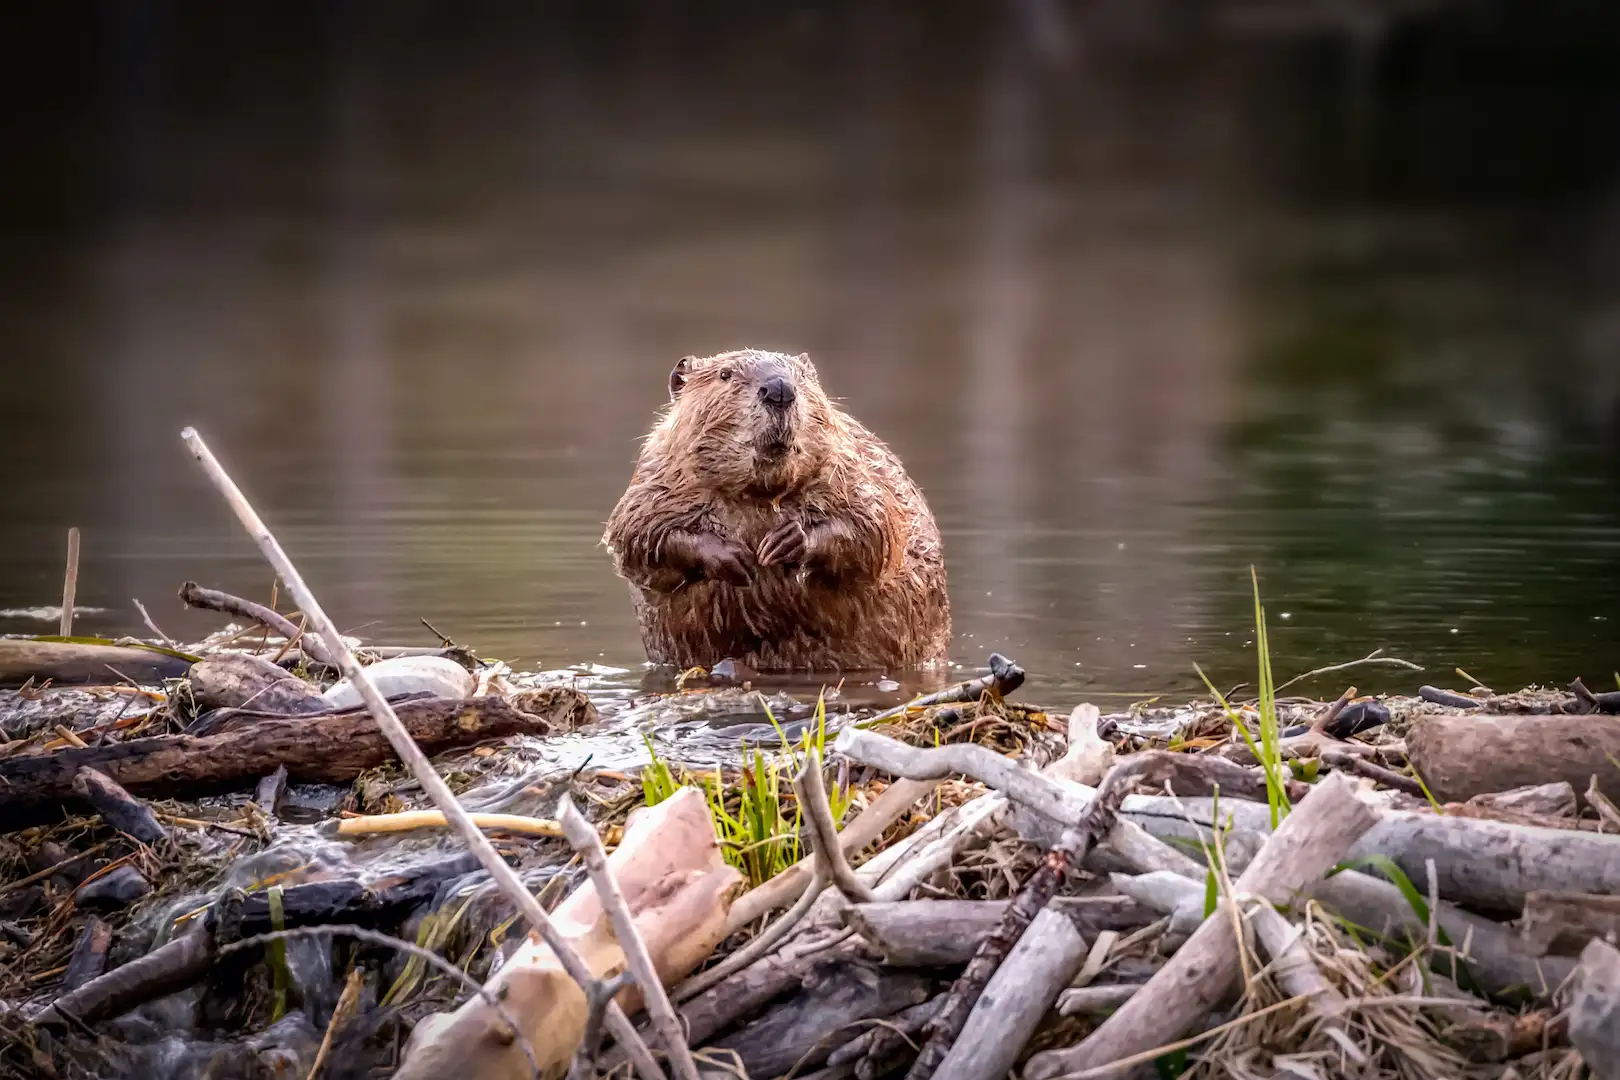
x,y
786,538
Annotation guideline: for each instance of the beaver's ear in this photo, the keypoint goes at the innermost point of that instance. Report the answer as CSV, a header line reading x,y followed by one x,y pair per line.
x,y
677,376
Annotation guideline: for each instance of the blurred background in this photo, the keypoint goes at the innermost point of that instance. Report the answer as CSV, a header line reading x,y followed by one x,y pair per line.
x,y
1143,292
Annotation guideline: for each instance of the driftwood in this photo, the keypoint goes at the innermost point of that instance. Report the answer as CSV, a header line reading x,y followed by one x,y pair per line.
x,y
72,663
89,959
324,749
195,596
1541,800
245,681
1036,892
831,1008
942,933
1201,974
882,1048
166,969
1018,995
762,982
1089,756
1563,922
1463,756
1594,1010
677,886
117,807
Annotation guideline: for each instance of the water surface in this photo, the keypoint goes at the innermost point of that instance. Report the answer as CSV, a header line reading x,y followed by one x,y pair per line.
x,y
1142,297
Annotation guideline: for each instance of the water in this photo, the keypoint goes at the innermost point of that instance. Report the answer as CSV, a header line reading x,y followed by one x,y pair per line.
x,y
1143,296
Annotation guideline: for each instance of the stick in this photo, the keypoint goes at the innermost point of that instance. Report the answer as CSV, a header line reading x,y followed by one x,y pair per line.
x,y
1020,784
1037,891
70,581
1373,658
1201,974
194,595
895,801
582,836
371,824
152,626
812,793
1005,677
118,808
762,944
505,878
340,1016
1387,777
1015,999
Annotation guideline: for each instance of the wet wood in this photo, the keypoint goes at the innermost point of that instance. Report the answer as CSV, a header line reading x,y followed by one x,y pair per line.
x,y
117,807
244,681
1463,756
322,749
71,663
166,969
89,959
1201,975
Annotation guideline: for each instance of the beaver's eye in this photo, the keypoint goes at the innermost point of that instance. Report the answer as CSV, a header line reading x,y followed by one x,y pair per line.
x,y
725,374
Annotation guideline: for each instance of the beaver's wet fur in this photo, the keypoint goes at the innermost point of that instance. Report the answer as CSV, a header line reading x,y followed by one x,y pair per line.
x,y
765,525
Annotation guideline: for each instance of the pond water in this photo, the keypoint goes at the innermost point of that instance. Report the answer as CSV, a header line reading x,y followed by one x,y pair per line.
x,y
1142,297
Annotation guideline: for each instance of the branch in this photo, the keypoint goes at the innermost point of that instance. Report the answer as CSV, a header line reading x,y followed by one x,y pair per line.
x,y
505,878
582,837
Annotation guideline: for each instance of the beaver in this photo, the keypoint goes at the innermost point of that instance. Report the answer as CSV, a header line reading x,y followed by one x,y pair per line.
x,y
765,525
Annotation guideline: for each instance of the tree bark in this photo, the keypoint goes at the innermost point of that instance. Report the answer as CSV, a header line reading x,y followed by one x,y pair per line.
x,y
323,749
1463,756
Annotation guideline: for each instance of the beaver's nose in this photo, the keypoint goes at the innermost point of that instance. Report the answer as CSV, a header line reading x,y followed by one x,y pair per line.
x,y
776,391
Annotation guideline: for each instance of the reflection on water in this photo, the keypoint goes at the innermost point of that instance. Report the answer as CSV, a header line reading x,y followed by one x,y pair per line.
x,y
1141,297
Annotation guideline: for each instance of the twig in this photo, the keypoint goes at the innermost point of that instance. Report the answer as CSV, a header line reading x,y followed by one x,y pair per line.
x,y
505,878
1037,891
41,875
340,1016
152,626
194,595
812,793
70,582
1387,777
583,1067
1376,657
1445,697
582,836
1005,677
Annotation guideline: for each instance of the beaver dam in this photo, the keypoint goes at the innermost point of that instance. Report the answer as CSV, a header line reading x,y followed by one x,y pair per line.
x,y
215,865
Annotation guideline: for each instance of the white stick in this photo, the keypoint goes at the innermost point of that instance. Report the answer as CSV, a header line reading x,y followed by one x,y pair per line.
x,y
70,582
505,878
582,837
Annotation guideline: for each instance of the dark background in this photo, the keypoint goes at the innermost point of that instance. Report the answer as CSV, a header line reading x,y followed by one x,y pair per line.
x,y
1143,292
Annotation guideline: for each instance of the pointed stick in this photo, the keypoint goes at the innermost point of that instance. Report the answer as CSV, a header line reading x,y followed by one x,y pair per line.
x,y
70,582
505,878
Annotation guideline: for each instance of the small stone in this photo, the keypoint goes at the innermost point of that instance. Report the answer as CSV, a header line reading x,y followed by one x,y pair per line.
x,y
112,891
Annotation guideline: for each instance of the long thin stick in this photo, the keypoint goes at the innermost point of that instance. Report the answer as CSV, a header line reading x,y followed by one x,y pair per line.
x,y
1373,658
70,582
817,811
582,837
505,878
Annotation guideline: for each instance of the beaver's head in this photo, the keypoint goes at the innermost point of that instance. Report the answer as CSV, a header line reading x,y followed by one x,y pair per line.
x,y
748,421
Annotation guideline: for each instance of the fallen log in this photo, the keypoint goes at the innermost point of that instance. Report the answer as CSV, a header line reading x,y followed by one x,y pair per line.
x,y
677,887
326,749
1463,756
77,663
1201,975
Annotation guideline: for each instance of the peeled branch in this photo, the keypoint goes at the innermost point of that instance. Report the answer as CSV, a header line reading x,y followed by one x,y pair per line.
x,y
678,888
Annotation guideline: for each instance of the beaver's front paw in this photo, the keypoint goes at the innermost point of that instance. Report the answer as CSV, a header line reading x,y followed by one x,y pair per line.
x,y
724,560
786,545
